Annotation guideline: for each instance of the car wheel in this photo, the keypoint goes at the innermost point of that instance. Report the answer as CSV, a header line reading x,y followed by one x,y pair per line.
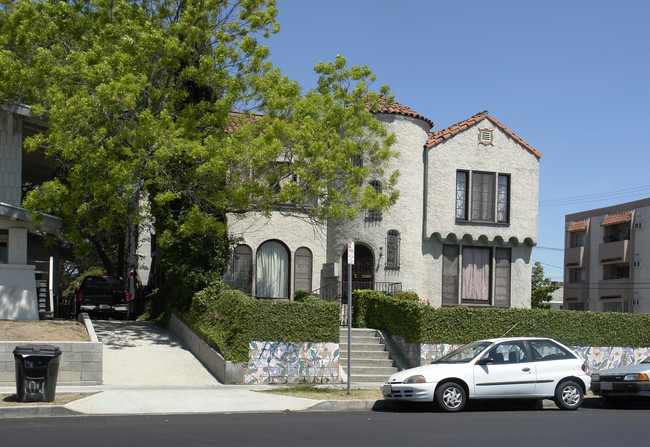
x,y
569,395
451,396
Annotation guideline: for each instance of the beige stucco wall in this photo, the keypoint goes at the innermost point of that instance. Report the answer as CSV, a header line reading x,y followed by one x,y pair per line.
x,y
294,232
405,216
464,152
506,156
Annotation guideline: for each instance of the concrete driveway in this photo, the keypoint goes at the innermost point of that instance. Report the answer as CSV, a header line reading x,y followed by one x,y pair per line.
x,y
145,354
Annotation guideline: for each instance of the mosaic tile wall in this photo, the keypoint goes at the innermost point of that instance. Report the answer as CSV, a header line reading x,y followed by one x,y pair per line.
x,y
598,358
606,358
279,362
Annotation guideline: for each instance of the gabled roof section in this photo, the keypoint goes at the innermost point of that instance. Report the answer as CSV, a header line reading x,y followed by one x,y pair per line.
x,y
439,136
577,226
398,109
614,219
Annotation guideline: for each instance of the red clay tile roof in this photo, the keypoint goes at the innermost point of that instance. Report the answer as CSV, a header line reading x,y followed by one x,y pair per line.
x,y
613,219
578,225
237,115
438,136
398,109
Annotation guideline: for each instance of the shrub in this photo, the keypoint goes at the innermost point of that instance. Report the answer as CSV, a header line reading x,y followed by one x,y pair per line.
x,y
420,323
305,297
406,295
229,320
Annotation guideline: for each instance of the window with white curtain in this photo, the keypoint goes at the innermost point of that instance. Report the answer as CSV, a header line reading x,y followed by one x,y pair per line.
x,y
476,274
272,270
480,275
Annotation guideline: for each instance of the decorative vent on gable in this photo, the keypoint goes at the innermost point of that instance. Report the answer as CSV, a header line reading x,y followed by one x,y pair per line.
x,y
485,136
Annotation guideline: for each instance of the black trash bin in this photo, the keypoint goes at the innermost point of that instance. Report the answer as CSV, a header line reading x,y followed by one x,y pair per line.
x,y
37,370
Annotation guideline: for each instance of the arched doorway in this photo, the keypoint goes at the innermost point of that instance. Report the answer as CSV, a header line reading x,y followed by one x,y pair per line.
x,y
363,269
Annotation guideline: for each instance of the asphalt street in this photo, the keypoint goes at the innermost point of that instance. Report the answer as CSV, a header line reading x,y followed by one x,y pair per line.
x,y
486,427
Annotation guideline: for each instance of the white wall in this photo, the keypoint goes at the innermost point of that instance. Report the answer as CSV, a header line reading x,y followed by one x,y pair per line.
x,y
18,299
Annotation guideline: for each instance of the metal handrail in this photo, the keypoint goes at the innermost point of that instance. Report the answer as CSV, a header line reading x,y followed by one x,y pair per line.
x,y
338,291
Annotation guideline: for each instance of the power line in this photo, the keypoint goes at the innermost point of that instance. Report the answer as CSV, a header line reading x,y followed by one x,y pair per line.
x,y
596,197
550,265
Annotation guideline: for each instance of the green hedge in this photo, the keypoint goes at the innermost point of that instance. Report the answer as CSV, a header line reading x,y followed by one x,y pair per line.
x,y
419,323
229,320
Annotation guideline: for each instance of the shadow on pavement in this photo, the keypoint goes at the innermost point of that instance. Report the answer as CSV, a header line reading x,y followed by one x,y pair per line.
x,y
472,405
129,334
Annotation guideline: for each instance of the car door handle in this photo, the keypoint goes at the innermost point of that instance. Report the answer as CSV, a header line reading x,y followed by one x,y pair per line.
x,y
526,369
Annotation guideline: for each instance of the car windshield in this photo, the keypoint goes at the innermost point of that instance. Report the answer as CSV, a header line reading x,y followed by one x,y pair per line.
x,y
465,353
646,360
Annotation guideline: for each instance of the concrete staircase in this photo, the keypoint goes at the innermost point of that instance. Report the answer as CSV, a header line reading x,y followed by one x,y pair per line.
x,y
371,360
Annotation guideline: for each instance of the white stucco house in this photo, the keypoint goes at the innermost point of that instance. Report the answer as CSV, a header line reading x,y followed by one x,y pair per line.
x,y
28,267
461,233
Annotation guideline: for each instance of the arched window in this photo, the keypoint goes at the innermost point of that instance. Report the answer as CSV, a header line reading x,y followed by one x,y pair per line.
x,y
303,269
240,270
272,270
392,249
374,215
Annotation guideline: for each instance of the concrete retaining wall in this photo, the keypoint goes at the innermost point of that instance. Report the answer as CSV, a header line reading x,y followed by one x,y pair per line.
x,y
224,370
80,364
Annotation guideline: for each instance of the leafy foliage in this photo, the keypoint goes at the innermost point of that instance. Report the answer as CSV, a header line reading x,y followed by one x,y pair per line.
x,y
541,288
406,295
419,323
229,320
139,96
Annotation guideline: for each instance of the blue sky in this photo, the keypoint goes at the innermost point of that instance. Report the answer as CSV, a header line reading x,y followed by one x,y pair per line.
x,y
572,78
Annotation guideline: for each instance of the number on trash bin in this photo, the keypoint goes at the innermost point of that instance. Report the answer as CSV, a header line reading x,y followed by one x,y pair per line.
x,y
35,386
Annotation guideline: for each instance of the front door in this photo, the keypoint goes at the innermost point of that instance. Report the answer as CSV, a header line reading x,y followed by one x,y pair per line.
x,y
362,270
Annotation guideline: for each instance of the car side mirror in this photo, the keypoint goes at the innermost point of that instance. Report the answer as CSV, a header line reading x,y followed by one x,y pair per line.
x,y
485,361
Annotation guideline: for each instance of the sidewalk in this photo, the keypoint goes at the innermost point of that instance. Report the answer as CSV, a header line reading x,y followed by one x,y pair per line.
x,y
148,370
111,400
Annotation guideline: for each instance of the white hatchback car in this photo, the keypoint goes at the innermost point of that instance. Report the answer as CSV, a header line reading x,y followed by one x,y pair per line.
x,y
519,367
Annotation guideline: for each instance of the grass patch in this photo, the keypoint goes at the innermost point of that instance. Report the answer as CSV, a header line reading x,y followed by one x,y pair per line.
x,y
326,393
11,400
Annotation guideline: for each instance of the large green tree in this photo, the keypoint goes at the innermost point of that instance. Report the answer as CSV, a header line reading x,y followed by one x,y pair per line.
x,y
139,99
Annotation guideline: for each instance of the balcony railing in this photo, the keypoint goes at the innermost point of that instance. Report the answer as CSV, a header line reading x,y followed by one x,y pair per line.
x,y
618,251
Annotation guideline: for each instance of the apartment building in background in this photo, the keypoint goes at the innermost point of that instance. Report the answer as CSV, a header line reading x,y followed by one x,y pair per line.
x,y
607,259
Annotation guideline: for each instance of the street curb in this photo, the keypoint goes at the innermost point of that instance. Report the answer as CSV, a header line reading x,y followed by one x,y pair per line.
x,y
36,411
321,406
346,405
